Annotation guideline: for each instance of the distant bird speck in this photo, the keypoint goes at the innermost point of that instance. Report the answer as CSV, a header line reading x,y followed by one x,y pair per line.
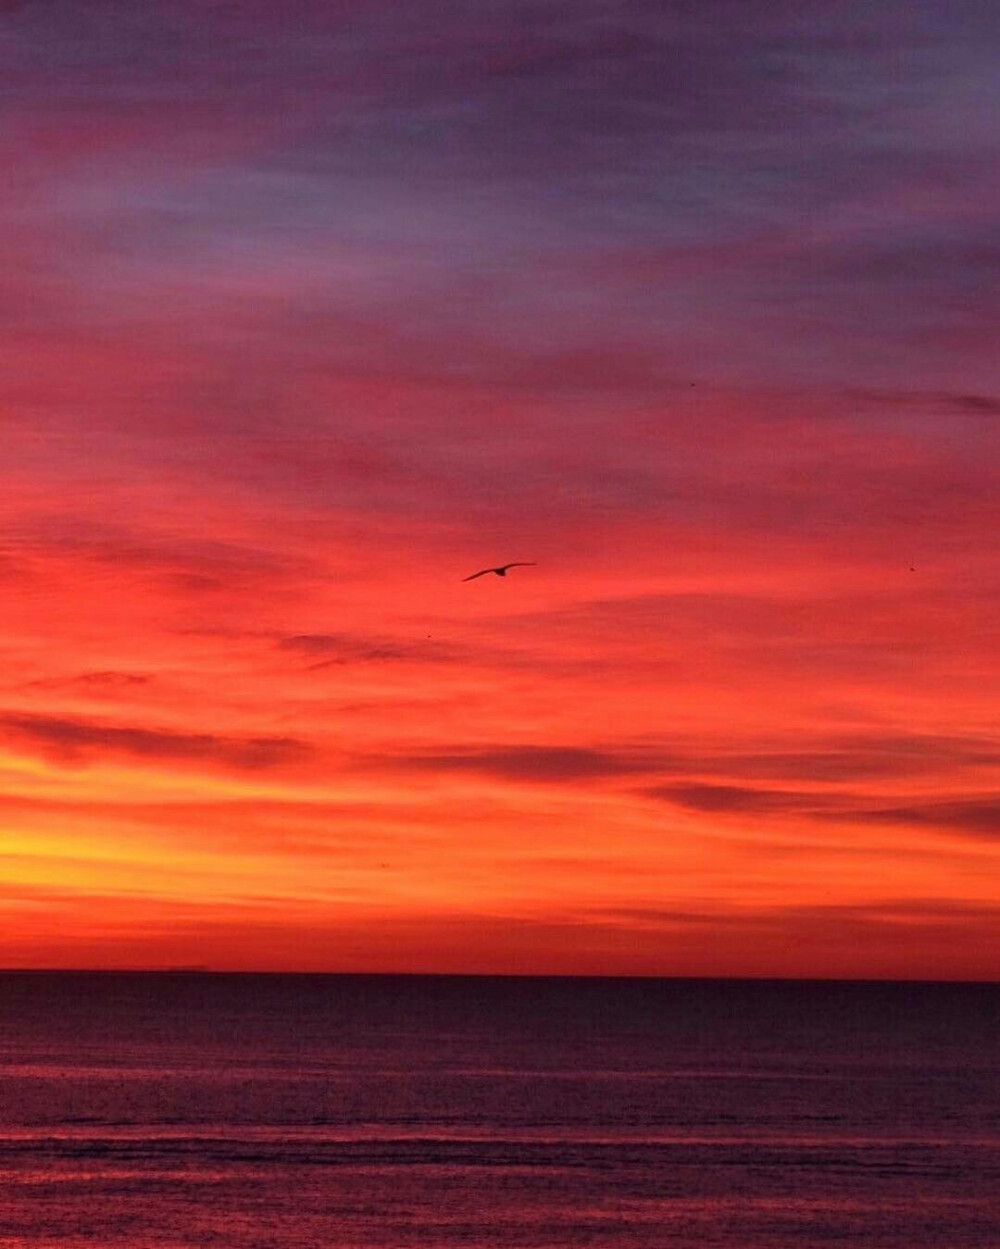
x,y
501,571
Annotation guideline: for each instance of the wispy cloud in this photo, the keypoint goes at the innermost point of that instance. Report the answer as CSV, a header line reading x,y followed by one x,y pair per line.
x,y
827,759
330,649
81,741
108,682
532,764
975,816
970,816
738,799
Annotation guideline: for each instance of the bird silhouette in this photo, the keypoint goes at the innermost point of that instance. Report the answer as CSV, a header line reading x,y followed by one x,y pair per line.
x,y
501,570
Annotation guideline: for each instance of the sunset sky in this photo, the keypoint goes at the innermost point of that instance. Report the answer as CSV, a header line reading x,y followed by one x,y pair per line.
x,y
308,311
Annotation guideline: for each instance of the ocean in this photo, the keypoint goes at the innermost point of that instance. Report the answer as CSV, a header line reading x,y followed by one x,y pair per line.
x,y
244,1111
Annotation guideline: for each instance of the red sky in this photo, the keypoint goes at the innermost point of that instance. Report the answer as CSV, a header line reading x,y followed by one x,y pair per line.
x,y
310,312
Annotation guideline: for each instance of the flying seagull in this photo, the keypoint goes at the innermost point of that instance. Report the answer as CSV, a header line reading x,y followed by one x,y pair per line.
x,y
502,570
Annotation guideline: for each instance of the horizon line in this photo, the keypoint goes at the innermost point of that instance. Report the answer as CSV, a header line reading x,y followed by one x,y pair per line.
x,y
185,970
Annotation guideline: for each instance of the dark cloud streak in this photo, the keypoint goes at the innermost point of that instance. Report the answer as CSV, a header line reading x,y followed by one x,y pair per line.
x,y
975,817
831,759
76,740
333,649
530,764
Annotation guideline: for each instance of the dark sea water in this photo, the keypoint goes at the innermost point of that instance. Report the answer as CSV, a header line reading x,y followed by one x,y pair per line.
x,y
305,1111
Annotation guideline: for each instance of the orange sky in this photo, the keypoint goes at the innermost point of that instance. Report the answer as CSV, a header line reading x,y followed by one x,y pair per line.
x,y
286,355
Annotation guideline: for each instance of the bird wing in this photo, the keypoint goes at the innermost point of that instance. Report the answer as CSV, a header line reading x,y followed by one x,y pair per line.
x,y
479,574
523,563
